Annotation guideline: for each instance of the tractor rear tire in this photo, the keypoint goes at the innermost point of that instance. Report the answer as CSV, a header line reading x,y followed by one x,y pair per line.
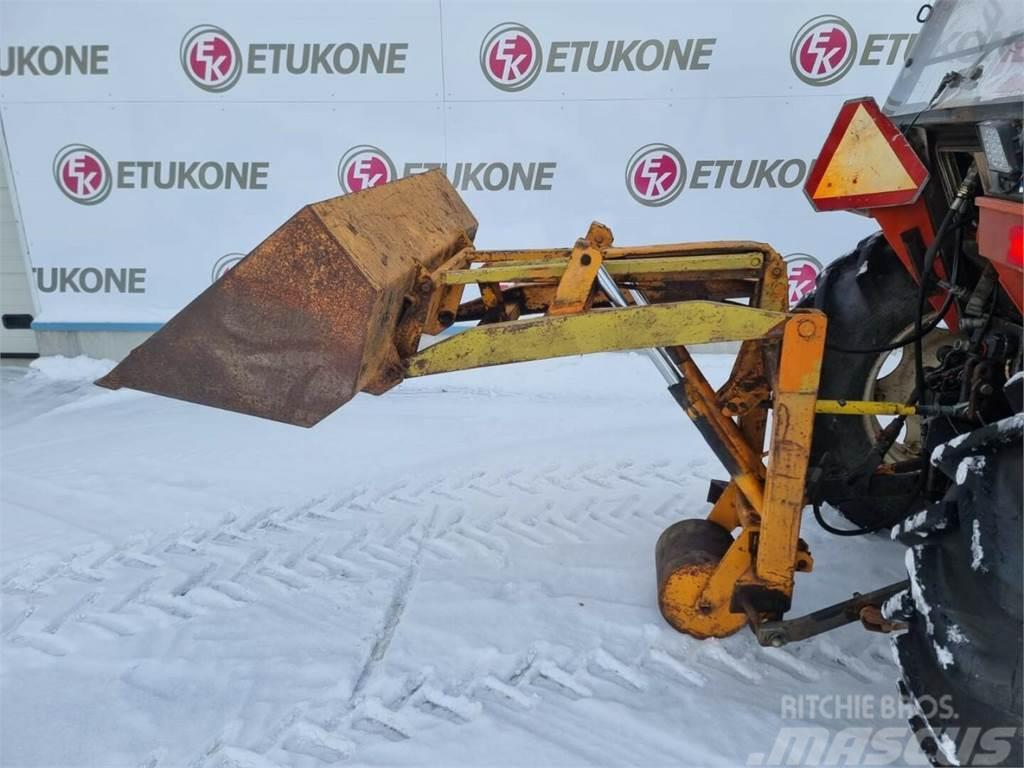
x,y
869,300
961,656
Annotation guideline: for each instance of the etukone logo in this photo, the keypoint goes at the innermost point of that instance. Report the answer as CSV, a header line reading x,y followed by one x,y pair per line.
x,y
211,58
82,174
655,174
823,50
90,279
510,56
50,60
365,166
802,270
214,61
224,264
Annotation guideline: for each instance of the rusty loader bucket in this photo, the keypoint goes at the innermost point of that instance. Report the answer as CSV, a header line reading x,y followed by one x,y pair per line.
x,y
307,319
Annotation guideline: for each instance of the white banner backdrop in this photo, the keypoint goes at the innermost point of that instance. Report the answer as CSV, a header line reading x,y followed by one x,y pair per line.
x,y
153,143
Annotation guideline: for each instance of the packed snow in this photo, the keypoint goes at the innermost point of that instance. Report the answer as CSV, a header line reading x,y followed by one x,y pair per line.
x,y
943,655
919,525
940,449
955,634
458,573
917,589
977,551
72,369
967,465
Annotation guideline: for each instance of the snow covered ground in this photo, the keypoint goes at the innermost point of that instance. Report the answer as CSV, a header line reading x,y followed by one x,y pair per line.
x,y
459,573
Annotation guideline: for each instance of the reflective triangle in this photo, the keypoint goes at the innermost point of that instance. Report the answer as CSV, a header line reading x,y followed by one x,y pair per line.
x,y
864,163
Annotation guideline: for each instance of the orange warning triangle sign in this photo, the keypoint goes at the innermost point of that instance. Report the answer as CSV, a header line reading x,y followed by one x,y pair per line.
x,y
865,163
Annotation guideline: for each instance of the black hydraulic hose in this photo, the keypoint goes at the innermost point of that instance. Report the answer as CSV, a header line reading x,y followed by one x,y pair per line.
x,y
843,531
928,328
922,331
926,270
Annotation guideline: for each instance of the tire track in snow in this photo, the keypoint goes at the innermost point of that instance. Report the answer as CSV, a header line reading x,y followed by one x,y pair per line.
x,y
393,615
381,533
539,677
491,534
128,582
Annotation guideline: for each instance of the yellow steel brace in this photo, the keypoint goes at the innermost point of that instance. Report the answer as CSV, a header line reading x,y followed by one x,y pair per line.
x,y
864,408
599,330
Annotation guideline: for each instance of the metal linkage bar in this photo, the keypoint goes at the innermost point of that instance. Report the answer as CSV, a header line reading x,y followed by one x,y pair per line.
x,y
552,269
779,633
582,333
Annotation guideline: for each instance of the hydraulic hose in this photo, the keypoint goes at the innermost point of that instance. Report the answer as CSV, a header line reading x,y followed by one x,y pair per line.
x,y
920,331
966,187
928,328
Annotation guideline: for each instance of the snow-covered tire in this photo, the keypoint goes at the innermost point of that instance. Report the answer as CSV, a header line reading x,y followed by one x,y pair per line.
x,y
961,655
869,300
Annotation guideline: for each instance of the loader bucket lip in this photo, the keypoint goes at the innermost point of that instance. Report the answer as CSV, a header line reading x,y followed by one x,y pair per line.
x,y
307,319
208,352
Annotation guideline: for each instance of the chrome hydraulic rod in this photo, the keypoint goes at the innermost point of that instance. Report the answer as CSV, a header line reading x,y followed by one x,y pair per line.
x,y
659,355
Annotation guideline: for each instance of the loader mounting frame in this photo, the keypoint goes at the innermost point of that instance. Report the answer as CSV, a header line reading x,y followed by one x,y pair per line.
x,y
336,302
693,289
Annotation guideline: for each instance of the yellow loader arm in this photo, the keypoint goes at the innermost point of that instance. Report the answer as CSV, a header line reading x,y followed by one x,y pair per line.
x,y
336,300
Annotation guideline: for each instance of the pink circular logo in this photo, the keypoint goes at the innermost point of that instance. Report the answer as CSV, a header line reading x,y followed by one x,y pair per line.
x,y
823,50
510,57
803,270
655,174
211,58
225,264
365,166
82,174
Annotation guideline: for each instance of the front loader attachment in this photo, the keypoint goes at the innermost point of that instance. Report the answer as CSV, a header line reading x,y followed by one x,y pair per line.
x,y
307,319
336,300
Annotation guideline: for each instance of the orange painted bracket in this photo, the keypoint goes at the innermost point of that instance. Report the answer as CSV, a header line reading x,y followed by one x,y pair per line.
x,y
894,222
